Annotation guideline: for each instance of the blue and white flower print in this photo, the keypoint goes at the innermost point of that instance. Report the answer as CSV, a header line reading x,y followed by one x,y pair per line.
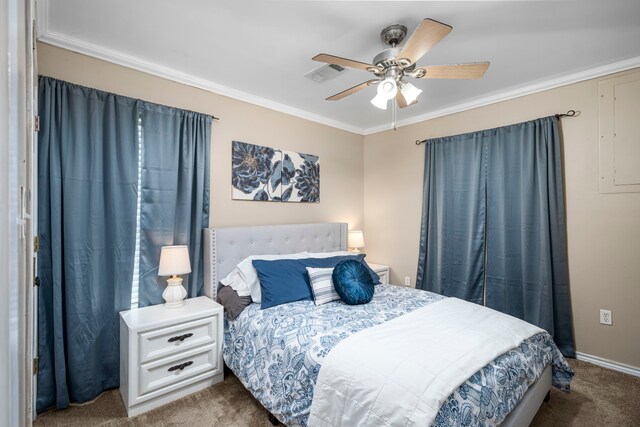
x,y
277,354
308,182
267,174
251,170
304,183
490,394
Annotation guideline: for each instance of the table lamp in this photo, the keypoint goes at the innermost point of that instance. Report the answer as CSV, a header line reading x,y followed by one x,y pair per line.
x,y
174,260
356,240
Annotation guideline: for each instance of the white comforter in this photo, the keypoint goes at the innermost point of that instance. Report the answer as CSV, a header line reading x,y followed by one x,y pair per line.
x,y
400,372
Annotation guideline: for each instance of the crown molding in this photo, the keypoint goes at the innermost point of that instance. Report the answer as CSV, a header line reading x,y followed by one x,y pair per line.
x,y
517,92
609,364
63,41
45,35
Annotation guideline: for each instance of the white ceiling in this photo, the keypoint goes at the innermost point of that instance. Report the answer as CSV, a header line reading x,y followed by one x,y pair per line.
x,y
259,51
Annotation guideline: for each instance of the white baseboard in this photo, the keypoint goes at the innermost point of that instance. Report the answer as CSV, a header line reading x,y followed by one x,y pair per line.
x,y
609,364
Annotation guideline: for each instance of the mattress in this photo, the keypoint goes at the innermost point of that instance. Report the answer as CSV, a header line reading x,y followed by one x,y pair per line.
x,y
277,354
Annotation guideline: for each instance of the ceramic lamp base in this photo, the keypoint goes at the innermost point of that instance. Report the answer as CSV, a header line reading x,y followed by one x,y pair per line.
x,y
175,293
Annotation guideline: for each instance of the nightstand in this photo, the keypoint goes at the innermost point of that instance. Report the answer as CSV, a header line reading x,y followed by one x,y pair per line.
x,y
382,271
168,353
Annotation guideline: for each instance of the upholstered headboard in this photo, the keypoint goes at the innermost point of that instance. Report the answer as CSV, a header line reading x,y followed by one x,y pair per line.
x,y
225,247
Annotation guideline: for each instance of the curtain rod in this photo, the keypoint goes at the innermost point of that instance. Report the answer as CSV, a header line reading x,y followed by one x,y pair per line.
x,y
570,113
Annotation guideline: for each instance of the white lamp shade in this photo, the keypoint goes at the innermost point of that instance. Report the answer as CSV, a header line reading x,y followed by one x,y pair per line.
x,y
356,239
380,101
174,260
410,93
388,88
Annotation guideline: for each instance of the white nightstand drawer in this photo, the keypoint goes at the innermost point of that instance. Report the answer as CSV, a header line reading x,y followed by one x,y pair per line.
x,y
176,339
162,373
155,338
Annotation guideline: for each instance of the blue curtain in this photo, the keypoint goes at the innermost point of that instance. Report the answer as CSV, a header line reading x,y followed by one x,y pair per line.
x,y
527,270
87,185
175,194
451,260
493,209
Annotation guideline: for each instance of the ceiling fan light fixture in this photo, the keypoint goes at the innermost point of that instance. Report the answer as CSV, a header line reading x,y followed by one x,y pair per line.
x,y
388,88
380,101
410,93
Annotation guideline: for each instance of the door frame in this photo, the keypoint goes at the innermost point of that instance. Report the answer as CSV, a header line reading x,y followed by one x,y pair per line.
x,y
31,96
16,223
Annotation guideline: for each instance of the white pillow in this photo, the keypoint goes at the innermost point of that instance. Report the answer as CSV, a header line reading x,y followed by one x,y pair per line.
x,y
235,281
330,254
322,285
250,276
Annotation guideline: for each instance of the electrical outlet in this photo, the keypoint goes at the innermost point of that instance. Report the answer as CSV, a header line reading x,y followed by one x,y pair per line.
x,y
605,317
407,281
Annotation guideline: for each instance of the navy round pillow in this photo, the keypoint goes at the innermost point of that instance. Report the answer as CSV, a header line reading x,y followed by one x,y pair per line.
x,y
353,282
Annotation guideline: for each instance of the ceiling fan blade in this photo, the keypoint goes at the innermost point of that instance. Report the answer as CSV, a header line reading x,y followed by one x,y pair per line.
x,y
428,33
343,62
474,70
402,101
350,91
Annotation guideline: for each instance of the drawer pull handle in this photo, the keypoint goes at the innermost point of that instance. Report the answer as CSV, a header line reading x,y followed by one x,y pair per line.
x,y
180,367
180,337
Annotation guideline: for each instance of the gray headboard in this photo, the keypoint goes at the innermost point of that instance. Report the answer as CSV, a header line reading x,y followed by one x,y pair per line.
x,y
225,247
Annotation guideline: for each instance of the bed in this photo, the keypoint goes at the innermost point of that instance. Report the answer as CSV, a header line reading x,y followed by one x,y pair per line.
x,y
278,353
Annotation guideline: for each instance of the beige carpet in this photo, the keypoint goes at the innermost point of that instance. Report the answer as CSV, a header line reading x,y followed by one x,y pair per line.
x,y
600,397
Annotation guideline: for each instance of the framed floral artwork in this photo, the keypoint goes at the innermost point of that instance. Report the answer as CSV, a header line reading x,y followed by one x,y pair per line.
x,y
268,174
303,184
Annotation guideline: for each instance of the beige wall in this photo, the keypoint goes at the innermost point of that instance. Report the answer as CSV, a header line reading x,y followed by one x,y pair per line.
x,y
383,178
603,229
341,152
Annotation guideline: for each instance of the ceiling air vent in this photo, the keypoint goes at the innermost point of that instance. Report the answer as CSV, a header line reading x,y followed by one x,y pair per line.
x,y
325,72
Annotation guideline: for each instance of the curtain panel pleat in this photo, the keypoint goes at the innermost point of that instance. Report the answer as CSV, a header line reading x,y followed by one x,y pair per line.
x,y
527,273
87,186
512,222
175,194
451,259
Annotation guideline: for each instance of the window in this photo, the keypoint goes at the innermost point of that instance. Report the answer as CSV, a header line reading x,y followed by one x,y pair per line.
x,y
136,260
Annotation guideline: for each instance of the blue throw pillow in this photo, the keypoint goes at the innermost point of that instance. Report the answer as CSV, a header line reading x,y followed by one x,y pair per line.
x,y
353,282
360,257
287,280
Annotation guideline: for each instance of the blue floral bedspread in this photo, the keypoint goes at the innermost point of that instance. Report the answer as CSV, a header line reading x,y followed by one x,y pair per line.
x,y
277,354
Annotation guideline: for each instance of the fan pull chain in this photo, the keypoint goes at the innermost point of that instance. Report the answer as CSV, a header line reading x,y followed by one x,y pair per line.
x,y
393,114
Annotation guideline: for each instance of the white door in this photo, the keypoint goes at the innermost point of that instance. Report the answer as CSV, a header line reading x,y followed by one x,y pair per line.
x,y
16,182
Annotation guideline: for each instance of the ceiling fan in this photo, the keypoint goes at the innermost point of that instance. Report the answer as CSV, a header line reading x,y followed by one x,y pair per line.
x,y
391,65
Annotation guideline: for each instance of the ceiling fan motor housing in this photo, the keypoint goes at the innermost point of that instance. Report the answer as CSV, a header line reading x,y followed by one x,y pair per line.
x,y
387,64
386,58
